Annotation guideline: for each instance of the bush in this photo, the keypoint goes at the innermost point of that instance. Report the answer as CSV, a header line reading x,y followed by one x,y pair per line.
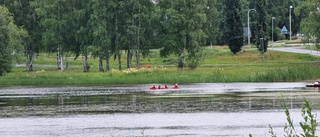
x,y
278,35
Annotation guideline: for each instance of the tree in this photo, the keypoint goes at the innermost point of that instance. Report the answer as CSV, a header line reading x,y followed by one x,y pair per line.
x,y
102,29
117,31
260,26
83,31
182,32
26,18
280,10
310,25
136,20
5,58
11,40
147,39
212,22
221,38
52,20
196,36
233,27
66,28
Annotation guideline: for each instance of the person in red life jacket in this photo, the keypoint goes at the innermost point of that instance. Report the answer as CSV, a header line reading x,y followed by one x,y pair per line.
x,y
153,87
159,87
165,87
176,86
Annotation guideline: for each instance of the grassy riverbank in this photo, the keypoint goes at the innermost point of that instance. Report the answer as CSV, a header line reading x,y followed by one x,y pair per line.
x,y
220,65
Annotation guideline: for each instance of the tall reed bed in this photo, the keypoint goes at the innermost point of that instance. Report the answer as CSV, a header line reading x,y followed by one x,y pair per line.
x,y
215,74
292,72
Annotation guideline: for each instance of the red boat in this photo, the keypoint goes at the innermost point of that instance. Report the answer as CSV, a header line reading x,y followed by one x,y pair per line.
x,y
165,87
315,84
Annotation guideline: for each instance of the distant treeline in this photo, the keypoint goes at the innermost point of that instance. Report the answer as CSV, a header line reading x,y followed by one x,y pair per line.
x,y
105,28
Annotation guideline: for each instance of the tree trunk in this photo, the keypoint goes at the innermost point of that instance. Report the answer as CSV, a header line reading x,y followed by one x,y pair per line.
x,y
181,62
58,58
85,64
67,60
137,56
138,43
108,64
129,58
119,59
101,65
29,60
137,59
61,62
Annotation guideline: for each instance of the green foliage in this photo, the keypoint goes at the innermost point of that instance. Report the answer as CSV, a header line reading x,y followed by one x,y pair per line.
x,y
260,26
25,17
278,35
310,24
289,127
195,59
308,125
290,73
182,26
224,73
271,132
219,65
10,40
233,28
5,58
177,27
212,22
280,10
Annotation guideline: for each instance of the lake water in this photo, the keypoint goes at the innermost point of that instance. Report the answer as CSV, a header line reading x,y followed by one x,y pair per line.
x,y
218,109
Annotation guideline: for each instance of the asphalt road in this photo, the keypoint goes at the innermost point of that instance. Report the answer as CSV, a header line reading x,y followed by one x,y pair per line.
x,y
294,49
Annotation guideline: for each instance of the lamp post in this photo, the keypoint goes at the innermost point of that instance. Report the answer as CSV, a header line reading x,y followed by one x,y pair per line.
x,y
290,20
272,31
208,8
249,24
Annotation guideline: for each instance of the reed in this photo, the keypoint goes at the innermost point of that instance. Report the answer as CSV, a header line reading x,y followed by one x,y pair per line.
x,y
293,72
308,125
233,73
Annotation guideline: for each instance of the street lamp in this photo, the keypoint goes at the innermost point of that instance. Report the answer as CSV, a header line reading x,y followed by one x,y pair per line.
x,y
272,30
208,8
249,24
290,20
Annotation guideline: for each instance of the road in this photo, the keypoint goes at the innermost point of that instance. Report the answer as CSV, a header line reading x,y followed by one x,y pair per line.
x,y
296,49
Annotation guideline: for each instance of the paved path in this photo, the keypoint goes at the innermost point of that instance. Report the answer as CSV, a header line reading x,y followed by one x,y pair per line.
x,y
296,50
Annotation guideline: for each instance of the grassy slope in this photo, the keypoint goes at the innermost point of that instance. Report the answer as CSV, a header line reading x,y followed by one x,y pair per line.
x,y
220,65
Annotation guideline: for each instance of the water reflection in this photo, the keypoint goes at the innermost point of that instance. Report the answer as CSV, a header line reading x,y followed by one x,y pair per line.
x,y
70,100
225,109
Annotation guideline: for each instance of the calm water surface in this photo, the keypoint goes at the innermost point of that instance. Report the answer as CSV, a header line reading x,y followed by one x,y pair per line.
x,y
224,109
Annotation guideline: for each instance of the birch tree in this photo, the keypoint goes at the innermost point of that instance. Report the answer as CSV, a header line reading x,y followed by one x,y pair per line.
x,y
183,22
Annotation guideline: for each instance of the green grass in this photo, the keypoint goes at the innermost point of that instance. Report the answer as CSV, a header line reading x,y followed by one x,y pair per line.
x,y
220,65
